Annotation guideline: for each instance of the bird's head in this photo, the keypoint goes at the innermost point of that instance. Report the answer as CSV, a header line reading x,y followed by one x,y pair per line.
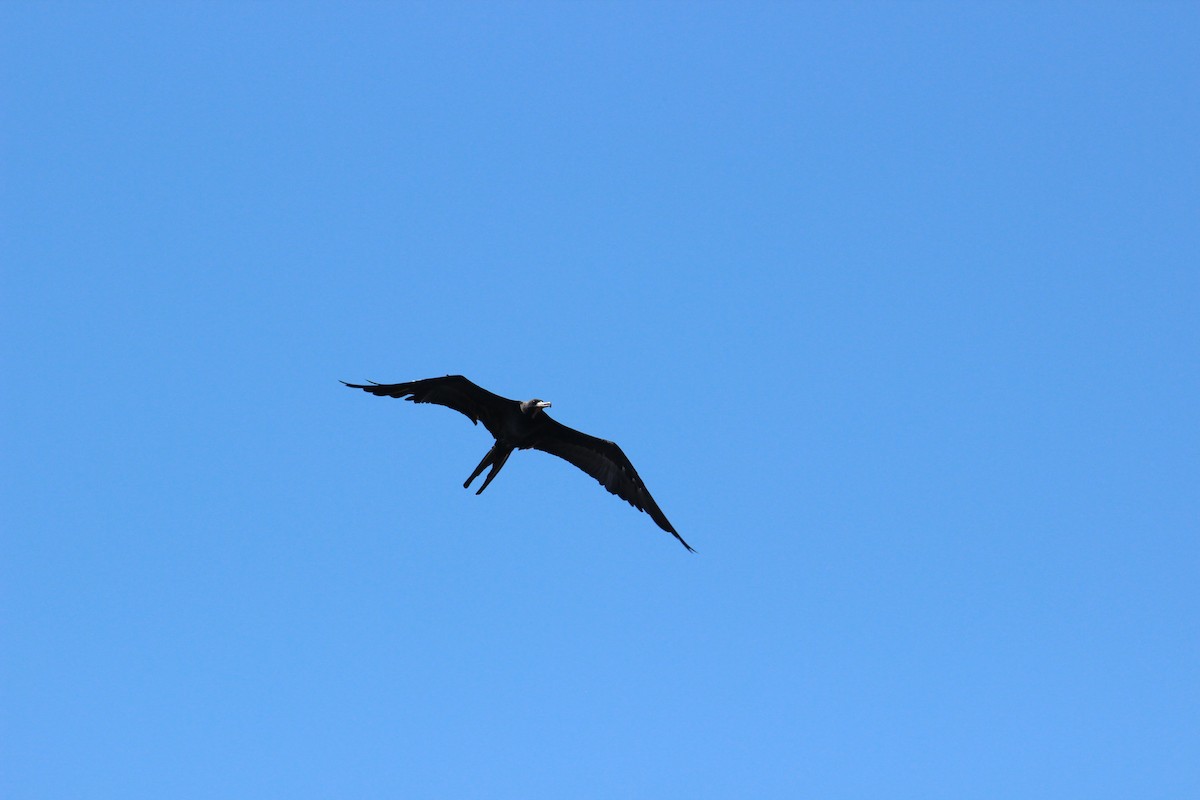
x,y
534,407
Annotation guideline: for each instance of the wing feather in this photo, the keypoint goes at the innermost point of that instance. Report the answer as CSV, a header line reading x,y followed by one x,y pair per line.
x,y
608,464
453,391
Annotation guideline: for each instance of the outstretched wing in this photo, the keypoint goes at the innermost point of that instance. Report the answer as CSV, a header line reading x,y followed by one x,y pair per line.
x,y
608,464
452,391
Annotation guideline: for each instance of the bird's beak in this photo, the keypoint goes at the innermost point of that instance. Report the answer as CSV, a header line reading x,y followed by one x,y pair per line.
x,y
543,404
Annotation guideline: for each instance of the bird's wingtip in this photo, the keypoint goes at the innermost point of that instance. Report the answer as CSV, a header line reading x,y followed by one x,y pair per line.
x,y
686,546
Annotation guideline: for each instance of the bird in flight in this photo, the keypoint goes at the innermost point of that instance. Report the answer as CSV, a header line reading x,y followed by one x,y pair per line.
x,y
523,425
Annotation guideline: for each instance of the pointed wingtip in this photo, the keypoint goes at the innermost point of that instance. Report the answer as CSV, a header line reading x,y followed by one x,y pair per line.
x,y
689,548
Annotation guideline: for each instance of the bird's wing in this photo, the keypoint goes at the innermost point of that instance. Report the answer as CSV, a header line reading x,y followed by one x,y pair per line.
x,y
608,464
452,391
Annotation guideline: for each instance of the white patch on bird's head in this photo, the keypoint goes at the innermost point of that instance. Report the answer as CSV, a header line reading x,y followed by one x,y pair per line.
x,y
534,407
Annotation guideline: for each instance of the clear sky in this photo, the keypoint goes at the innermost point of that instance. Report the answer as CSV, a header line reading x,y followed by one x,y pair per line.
x,y
893,305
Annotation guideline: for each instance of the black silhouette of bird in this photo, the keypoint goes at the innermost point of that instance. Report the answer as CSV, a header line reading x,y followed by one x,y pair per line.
x,y
523,425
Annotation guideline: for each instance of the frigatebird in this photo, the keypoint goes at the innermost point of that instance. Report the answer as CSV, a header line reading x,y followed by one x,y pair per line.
x,y
523,425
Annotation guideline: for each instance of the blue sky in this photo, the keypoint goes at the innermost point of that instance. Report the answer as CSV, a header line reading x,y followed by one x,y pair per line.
x,y
894,307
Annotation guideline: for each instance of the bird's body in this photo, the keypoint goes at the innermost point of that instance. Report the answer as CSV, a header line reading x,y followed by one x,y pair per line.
x,y
525,425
